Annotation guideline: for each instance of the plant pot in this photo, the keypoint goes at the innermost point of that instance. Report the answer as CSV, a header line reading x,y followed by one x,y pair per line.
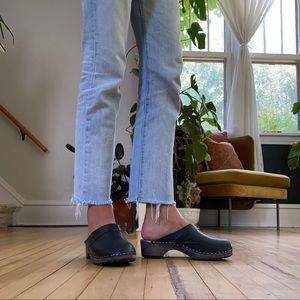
x,y
6,214
125,215
191,215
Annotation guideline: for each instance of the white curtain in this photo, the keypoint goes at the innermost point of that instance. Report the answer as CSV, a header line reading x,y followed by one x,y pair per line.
x,y
244,18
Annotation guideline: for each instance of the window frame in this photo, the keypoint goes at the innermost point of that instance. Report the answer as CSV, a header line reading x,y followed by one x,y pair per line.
x,y
284,137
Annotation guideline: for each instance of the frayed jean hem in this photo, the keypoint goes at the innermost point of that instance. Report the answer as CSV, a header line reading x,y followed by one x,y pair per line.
x,y
156,207
79,203
153,202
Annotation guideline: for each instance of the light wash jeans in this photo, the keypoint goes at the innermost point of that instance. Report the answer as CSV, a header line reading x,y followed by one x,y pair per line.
x,y
105,29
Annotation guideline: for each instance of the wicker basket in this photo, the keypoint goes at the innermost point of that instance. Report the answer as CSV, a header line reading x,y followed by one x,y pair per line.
x,y
191,215
6,214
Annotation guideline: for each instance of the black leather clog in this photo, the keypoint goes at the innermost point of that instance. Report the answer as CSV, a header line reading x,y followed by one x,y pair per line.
x,y
189,240
107,246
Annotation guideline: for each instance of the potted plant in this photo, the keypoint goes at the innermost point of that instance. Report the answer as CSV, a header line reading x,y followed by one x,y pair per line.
x,y
190,148
294,155
125,214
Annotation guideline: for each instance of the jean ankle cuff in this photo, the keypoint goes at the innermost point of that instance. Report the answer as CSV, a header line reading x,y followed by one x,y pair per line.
x,y
79,203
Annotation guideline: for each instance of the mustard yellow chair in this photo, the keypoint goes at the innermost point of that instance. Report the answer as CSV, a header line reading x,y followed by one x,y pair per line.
x,y
240,189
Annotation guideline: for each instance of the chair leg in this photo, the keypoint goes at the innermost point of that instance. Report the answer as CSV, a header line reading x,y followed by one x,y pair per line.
x,y
229,213
277,215
219,218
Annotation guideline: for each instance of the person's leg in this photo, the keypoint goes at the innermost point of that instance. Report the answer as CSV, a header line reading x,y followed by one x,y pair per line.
x,y
156,25
105,28
157,30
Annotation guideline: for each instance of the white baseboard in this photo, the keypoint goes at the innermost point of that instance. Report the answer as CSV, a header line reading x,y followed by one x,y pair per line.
x,y
62,213
261,215
51,212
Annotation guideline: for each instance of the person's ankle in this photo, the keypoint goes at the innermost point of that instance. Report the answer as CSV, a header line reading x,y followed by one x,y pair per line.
x,y
99,215
169,220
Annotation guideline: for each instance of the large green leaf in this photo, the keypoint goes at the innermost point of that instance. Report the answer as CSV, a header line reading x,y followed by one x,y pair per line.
x,y
133,116
133,108
190,129
211,107
211,121
296,108
194,84
135,71
197,35
207,157
199,8
132,120
188,158
200,150
294,156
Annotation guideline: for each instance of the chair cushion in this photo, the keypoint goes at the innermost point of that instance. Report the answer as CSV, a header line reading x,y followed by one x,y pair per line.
x,y
243,177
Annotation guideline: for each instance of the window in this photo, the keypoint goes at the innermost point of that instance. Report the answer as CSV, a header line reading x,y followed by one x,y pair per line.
x,y
208,64
275,95
210,77
277,33
276,64
275,59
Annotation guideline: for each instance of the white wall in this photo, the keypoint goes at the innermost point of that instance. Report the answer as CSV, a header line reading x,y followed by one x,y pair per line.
x,y
39,79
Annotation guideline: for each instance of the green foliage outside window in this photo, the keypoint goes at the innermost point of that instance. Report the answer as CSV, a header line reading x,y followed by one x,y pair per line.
x,y
275,93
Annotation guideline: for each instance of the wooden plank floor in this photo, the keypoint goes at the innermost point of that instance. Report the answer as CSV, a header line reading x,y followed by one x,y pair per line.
x,y
50,263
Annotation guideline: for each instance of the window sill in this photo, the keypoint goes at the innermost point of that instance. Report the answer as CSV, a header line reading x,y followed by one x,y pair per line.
x,y
279,138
